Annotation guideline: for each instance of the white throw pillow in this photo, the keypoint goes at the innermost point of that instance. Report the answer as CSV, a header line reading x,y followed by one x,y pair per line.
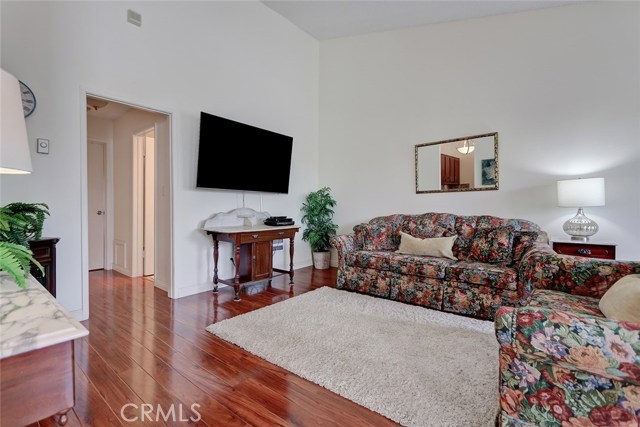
x,y
436,246
622,300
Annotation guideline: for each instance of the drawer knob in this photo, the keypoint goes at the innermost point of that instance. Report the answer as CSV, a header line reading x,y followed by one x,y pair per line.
x,y
583,251
255,236
281,233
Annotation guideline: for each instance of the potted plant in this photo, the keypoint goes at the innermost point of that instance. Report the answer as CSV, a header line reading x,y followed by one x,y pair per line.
x,y
318,217
20,222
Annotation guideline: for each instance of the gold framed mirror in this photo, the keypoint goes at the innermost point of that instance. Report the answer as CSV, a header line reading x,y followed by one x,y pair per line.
x,y
469,163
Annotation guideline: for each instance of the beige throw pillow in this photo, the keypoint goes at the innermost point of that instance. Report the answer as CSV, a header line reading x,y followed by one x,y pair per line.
x,y
622,300
436,246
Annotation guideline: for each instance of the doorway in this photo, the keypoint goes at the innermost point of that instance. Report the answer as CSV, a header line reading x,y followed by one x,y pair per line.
x,y
145,195
129,148
97,201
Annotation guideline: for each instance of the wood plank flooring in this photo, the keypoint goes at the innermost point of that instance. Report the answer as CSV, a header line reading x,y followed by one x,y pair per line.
x,y
146,349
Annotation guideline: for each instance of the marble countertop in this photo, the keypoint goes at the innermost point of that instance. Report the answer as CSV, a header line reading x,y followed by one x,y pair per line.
x,y
31,318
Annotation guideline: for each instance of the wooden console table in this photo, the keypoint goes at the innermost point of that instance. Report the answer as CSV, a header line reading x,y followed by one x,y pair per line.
x,y
253,253
36,354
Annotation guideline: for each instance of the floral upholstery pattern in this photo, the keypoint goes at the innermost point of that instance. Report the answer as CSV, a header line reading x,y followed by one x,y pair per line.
x,y
555,300
581,276
483,274
384,237
492,245
412,265
425,292
522,242
478,301
367,263
566,368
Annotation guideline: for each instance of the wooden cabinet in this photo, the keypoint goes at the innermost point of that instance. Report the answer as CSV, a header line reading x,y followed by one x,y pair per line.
x,y
44,251
586,249
449,170
253,250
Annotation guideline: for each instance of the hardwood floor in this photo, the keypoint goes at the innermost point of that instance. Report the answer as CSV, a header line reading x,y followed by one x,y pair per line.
x,y
146,349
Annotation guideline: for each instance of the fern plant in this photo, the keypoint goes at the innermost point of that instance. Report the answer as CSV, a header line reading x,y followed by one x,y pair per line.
x,y
20,222
16,260
318,217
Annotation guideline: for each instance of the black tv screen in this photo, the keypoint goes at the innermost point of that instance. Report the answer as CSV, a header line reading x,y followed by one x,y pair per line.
x,y
237,156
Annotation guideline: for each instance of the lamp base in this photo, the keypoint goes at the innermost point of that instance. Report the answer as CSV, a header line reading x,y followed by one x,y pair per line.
x,y
580,227
580,238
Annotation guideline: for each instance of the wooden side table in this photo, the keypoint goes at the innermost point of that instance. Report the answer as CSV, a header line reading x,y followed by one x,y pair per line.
x,y
585,249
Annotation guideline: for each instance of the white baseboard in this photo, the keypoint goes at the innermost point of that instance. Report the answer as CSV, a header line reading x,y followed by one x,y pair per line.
x,y
121,270
196,289
79,315
161,285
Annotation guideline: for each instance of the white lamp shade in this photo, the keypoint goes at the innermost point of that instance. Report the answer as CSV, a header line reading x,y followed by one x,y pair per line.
x,y
14,144
578,193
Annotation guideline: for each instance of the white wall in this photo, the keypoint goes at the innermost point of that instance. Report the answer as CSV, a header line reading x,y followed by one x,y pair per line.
x,y
560,85
237,59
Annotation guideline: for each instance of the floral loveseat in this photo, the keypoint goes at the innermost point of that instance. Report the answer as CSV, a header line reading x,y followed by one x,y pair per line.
x,y
497,262
562,363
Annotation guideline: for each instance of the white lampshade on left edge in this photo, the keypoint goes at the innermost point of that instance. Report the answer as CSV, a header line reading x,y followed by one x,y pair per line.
x,y
14,143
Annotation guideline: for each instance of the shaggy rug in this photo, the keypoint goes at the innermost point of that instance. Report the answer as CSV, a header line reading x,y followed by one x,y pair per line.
x,y
416,366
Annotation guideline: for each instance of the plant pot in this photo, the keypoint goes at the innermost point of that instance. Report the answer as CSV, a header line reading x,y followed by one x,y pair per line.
x,y
321,260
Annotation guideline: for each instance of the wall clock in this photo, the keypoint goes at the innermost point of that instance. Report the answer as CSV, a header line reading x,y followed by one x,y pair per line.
x,y
28,99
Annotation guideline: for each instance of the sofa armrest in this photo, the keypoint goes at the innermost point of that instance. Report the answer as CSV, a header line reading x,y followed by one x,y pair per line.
x,y
344,244
581,276
531,269
596,345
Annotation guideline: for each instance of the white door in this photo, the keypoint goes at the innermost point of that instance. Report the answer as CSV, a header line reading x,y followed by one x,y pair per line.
x,y
96,189
149,201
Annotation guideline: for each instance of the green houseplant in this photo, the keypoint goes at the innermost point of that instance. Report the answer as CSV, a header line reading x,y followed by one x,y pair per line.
x,y
318,217
20,222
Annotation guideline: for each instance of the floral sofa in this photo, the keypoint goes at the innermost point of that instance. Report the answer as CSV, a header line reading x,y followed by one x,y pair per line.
x,y
562,363
491,269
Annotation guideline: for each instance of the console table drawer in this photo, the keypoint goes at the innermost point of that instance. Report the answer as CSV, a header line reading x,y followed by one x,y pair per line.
x,y
264,236
585,250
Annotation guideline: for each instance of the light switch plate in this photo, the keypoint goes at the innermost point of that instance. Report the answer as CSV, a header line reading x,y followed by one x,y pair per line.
x,y
42,146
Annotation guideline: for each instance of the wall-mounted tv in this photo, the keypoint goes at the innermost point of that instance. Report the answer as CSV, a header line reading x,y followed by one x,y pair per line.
x,y
237,156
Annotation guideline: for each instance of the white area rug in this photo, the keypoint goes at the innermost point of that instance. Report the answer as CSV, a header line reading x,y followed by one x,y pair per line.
x,y
416,366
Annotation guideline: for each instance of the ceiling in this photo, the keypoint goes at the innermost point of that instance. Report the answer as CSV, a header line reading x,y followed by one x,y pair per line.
x,y
105,109
327,19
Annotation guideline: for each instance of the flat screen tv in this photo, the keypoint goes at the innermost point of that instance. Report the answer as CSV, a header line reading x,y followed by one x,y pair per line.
x,y
237,156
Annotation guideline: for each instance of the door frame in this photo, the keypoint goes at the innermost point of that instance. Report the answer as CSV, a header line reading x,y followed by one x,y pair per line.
x,y
85,91
138,214
108,200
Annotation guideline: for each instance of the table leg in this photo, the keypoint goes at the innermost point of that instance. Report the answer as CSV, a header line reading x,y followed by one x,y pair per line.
x,y
61,417
291,261
215,265
236,279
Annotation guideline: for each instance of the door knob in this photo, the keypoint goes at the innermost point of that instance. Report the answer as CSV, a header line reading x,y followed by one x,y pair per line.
x,y
100,212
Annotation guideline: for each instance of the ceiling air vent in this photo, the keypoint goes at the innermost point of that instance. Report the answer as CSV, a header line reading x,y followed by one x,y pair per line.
x,y
134,18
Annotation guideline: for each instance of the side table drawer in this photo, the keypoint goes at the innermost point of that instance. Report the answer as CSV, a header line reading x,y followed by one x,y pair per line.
x,y
264,236
585,250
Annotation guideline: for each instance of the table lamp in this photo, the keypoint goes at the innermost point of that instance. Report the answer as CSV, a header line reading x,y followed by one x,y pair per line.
x,y
14,144
578,193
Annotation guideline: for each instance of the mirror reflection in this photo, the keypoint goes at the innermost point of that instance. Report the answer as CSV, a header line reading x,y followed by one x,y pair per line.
x,y
469,163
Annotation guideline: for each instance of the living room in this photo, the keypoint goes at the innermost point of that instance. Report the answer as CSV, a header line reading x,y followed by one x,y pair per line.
x,y
560,85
